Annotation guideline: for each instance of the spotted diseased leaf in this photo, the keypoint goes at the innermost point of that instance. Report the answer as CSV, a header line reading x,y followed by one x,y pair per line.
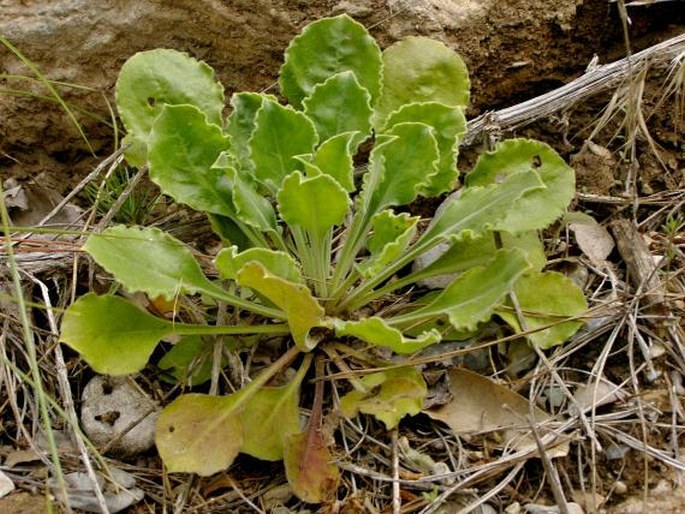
x,y
339,105
376,331
152,79
148,260
420,69
112,335
391,395
201,434
302,310
323,49
229,262
538,208
183,147
309,467
546,299
280,134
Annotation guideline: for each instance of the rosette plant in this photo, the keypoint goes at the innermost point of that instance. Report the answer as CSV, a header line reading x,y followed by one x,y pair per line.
x,y
310,199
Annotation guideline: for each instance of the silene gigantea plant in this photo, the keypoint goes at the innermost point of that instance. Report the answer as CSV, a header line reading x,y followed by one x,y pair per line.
x,y
310,200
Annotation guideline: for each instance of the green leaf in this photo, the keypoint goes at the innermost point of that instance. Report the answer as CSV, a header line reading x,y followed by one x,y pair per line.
x,y
449,124
472,298
147,260
479,209
391,395
468,253
270,416
316,203
188,361
241,124
302,310
229,262
200,434
149,80
325,48
280,134
334,158
400,167
112,335
309,467
420,69
390,235
251,207
374,330
546,299
183,149
339,105
538,208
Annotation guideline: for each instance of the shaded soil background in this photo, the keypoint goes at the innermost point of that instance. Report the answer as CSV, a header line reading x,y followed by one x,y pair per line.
x,y
515,50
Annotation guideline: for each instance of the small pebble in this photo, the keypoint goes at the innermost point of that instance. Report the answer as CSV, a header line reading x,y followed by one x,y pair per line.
x,y
620,487
514,508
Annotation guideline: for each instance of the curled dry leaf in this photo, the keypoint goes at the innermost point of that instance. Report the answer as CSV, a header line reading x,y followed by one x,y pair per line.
x,y
593,239
309,467
480,405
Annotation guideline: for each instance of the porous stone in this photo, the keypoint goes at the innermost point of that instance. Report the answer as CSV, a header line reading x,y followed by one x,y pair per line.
x,y
112,405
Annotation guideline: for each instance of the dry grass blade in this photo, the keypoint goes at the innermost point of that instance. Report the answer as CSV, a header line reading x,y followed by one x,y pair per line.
x,y
595,80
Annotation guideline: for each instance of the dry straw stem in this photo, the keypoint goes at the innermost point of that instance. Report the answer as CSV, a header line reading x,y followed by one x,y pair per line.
x,y
595,80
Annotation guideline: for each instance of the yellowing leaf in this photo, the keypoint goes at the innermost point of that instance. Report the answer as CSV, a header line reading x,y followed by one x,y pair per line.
x,y
200,434
547,299
375,331
271,415
309,467
392,394
302,310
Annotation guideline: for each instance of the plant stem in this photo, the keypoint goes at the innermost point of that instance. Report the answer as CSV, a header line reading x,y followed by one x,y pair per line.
x,y
186,329
218,293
